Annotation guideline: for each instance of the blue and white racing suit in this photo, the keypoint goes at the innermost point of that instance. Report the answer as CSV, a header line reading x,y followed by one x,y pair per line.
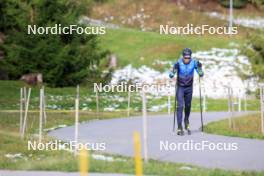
x,y
185,73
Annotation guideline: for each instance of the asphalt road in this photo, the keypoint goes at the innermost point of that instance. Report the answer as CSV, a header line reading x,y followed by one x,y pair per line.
x,y
233,153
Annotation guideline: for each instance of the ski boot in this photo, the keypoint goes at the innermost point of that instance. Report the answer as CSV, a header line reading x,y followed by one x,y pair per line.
x,y
187,128
180,132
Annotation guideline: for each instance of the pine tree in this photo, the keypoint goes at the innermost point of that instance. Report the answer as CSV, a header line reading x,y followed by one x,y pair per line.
x,y
64,60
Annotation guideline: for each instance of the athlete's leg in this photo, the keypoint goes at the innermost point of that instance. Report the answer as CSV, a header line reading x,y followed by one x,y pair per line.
x,y
188,102
180,103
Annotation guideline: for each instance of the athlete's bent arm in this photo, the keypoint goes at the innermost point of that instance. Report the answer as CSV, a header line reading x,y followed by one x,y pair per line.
x,y
174,69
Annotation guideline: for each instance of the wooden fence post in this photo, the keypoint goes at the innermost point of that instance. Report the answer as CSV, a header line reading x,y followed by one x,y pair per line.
x,y
44,105
97,102
239,101
245,103
229,107
232,108
262,108
26,112
229,99
21,110
76,134
144,120
40,113
25,97
128,102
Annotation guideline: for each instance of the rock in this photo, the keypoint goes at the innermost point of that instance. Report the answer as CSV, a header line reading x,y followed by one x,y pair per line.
x,y
185,168
32,78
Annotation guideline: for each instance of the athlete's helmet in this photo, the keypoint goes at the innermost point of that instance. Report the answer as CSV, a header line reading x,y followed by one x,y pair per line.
x,y
187,52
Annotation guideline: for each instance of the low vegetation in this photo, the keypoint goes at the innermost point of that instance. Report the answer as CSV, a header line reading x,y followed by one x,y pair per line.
x,y
246,126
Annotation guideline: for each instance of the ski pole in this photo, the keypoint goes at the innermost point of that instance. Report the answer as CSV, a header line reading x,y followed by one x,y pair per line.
x,y
201,110
175,105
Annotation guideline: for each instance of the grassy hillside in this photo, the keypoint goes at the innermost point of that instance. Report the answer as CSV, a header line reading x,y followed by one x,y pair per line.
x,y
133,45
143,48
148,15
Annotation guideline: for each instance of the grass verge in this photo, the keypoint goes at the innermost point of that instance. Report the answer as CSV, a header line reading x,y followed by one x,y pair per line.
x,y
247,126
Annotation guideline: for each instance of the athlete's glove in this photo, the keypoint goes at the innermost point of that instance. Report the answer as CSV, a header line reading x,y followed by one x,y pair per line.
x,y
171,75
199,68
176,66
174,69
200,72
199,64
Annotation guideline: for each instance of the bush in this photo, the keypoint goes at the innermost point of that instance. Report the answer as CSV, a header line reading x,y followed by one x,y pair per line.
x,y
236,3
255,52
258,3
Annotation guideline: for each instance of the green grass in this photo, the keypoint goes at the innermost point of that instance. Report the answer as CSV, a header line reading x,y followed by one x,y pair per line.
x,y
143,48
10,120
65,161
246,126
63,99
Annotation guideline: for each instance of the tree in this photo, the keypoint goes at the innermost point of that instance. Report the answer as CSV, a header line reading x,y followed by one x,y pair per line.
x,y
257,3
255,52
64,60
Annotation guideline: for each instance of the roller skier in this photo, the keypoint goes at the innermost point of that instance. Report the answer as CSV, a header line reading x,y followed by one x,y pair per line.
x,y
184,68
